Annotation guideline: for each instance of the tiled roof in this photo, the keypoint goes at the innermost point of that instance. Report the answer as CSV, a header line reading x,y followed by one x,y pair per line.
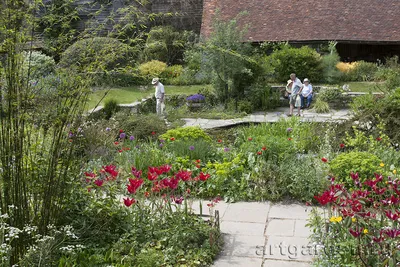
x,y
310,20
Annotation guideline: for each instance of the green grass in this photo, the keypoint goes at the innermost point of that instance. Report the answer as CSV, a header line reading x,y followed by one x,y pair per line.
x,y
365,86
126,95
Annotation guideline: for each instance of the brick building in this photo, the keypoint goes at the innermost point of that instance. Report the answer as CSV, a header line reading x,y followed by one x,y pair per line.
x,y
364,29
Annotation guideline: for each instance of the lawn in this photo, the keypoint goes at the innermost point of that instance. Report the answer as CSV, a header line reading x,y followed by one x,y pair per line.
x,y
126,95
365,86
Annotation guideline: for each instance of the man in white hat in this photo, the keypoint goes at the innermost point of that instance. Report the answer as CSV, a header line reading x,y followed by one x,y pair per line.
x,y
159,94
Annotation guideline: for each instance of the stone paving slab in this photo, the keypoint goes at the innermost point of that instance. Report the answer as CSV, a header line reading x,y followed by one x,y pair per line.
x,y
272,116
264,234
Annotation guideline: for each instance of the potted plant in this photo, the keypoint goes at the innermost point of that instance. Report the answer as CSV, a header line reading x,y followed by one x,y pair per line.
x,y
195,101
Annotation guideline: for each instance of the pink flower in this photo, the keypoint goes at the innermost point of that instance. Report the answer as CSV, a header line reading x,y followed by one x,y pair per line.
x,y
392,216
136,173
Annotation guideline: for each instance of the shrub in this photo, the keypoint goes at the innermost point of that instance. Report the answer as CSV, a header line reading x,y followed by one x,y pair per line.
x,y
191,149
360,71
141,126
304,61
208,93
187,133
330,94
262,97
110,107
39,65
97,54
245,106
362,162
321,106
330,72
172,72
152,69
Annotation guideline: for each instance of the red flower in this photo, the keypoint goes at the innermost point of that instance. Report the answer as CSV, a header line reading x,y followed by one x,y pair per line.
x,y
250,139
264,148
89,189
129,201
378,139
342,145
99,182
178,200
70,140
120,151
172,139
204,177
354,233
198,161
219,141
188,191
165,169
90,174
324,159
116,143
121,131
210,205
198,166
136,173
184,175
153,133
126,148
393,233
391,215
152,176
173,183
110,169
290,139
133,185
146,194
259,152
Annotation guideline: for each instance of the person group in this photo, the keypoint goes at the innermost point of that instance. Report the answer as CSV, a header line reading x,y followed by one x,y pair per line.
x,y
300,94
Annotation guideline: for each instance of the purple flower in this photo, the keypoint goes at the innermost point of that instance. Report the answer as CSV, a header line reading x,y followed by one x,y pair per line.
x,y
132,138
178,200
70,134
108,129
122,135
191,148
161,145
227,149
162,140
196,98
79,130
137,146
289,130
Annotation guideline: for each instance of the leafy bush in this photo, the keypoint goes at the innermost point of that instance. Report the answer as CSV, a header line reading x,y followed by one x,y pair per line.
x,y
152,69
245,106
262,97
363,163
38,64
330,72
330,94
208,93
321,106
172,72
187,133
304,61
98,54
110,107
191,149
361,71
141,126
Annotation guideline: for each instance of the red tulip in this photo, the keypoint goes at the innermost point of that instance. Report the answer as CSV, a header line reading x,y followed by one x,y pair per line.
x,y
354,233
129,201
342,145
110,169
183,175
219,141
378,139
172,139
264,148
99,182
133,185
90,174
153,133
250,139
204,177
121,131
290,139
146,194
259,152
116,143
324,159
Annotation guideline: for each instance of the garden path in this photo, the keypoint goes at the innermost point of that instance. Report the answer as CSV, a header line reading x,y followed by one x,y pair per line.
x,y
263,234
271,116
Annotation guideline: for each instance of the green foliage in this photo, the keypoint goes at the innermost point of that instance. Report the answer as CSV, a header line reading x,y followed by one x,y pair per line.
x,y
98,54
262,97
321,106
331,73
192,149
110,107
362,72
245,106
186,133
141,126
304,61
362,162
330,94
152,69
58,24
37,64
166,44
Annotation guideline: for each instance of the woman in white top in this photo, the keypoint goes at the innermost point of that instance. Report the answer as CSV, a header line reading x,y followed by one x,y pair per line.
x,y
306,94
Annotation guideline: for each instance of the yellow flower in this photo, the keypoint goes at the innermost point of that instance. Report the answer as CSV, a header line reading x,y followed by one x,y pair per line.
x,y
382,164
332,219
365,231
339,219
394,171
336,219
353,219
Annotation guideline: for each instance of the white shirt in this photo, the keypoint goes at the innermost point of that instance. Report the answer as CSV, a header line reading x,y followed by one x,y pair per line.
x,y
297,82
159,90
306,89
